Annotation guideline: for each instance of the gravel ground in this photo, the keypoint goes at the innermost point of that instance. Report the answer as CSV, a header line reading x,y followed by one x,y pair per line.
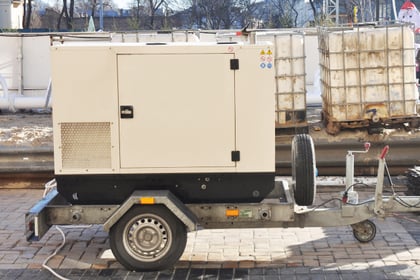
x,y
26,129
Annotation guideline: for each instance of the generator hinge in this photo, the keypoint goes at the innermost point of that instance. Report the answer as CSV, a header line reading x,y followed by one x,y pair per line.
x,y
234,64
236,155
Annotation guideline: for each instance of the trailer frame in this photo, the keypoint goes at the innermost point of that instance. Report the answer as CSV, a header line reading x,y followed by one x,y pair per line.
x,y
278,210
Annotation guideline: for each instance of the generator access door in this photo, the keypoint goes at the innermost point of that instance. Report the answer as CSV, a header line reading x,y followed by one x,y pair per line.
x,y
176,111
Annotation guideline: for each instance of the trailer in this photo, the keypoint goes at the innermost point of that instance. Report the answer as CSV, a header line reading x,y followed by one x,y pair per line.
x,y
155,140
148,231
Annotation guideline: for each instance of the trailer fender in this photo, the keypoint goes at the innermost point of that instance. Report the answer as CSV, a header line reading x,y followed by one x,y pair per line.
x,y
155,197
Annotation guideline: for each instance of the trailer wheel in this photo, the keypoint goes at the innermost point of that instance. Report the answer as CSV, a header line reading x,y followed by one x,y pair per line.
x,y
303,169
148,238
364,231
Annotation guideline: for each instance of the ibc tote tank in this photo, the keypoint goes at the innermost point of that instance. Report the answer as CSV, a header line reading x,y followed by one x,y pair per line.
x,y
367,76
289,64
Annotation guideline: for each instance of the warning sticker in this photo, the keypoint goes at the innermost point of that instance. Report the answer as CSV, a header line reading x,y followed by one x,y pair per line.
x,y
266,59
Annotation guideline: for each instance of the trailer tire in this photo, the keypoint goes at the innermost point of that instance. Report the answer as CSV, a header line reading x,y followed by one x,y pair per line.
x,y
148,238
303,170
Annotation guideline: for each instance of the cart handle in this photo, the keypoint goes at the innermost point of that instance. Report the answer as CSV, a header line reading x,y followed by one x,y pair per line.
x,y
384,152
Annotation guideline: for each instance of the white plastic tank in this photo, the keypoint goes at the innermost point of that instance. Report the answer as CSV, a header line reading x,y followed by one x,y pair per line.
x,y
289,63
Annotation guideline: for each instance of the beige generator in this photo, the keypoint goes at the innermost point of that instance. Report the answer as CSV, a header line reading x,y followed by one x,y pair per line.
x,y
195,119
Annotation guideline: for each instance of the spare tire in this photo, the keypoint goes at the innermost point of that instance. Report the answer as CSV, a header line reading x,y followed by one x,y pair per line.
x,y
303,170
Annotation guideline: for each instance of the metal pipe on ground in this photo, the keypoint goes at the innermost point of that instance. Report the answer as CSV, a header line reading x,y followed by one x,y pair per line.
x,y
14,102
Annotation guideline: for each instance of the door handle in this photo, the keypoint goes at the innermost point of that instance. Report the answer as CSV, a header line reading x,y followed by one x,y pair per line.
x,y
126,112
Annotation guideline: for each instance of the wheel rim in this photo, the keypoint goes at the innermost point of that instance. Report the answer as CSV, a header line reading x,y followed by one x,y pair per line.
x,y
147,237
364,231
365,234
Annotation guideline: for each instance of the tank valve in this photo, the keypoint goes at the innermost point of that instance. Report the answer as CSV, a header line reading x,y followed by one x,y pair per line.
x,y
375,118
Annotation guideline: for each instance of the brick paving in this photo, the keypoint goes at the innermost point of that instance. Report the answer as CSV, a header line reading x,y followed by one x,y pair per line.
x,y
308,253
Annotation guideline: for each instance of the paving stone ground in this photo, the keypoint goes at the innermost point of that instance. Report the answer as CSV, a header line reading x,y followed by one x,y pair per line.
x,y
293,253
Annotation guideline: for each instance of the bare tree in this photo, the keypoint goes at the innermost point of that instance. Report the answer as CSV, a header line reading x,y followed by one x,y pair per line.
x,y
63,13
283,13
66,14
67,10
318,11
247,14
93,7
27,13
147,9
221,14
153,6
136,21
217,14
90,7
71,13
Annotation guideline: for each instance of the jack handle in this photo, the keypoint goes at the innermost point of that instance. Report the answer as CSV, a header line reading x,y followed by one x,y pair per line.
x,y
384,152
378,206
367,147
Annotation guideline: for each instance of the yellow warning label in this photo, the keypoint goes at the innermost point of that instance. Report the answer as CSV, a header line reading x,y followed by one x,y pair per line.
x,y
262,52
269,52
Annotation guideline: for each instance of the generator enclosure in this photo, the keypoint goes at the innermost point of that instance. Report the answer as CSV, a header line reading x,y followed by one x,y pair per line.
x,y
196,119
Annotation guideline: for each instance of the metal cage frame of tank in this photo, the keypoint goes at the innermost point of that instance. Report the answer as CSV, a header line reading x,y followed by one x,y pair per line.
x,y
290,92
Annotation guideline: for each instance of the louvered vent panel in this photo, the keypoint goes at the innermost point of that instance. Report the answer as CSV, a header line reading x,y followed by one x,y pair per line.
x,y
86,145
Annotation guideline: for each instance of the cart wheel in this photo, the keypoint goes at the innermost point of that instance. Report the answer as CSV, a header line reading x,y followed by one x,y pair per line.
x,y
303,169
148,238
364,231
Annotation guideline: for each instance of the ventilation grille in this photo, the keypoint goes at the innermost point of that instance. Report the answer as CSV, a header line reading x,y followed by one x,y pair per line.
x,y
86,145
